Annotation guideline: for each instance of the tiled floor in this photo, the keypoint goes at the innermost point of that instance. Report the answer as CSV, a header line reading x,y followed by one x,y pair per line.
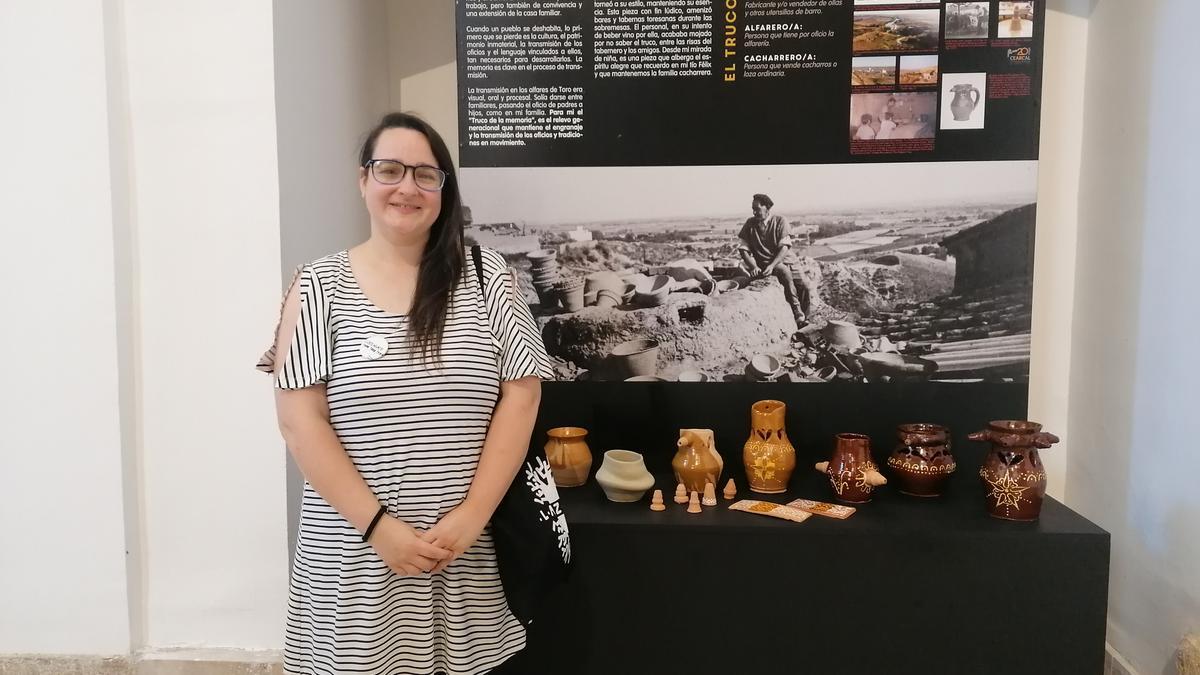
x,y
63,665
77,666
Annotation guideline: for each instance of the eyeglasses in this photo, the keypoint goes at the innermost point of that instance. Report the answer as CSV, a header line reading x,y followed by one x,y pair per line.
x,y
391,172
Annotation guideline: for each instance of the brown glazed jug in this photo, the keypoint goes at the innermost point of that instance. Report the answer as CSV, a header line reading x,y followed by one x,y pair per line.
x,y
922,461
569,456
851,470
1013,474
768,456
696,461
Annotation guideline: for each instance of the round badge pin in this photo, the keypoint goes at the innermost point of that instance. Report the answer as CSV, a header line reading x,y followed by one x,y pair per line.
x,y
373,347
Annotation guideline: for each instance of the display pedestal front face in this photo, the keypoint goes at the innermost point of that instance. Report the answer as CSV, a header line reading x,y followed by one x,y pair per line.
x,y
905,585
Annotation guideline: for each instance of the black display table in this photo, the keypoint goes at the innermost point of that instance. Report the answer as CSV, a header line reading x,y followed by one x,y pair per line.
x,y
905,585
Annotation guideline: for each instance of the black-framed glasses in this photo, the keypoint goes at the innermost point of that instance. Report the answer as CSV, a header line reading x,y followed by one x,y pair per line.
x,y
391,172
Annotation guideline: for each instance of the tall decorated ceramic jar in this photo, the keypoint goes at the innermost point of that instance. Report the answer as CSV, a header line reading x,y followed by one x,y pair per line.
x,y
768,456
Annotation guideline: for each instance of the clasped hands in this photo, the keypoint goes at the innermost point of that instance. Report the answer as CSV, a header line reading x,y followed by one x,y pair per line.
x,y
409,552
761,272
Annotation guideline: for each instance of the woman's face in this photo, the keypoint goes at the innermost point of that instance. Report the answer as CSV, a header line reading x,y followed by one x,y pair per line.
x,y
402,211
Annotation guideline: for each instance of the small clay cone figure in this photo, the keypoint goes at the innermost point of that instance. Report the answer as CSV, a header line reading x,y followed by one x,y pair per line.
x,y
710,495
730,490
681,494
656,504
694,503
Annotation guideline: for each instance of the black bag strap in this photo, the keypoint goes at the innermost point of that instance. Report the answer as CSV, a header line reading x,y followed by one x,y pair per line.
x,y
477,257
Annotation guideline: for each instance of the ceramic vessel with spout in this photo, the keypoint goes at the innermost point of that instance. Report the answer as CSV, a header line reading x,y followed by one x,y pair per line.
x,y
696,460
768,456
851,471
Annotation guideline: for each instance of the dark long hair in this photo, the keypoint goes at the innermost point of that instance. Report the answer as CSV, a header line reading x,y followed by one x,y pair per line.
x,y
443,261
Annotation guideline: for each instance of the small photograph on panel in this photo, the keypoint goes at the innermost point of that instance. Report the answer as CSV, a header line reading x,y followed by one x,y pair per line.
x,y
919,70
1016,20
963,100
967,20
902,115
873,71
900,30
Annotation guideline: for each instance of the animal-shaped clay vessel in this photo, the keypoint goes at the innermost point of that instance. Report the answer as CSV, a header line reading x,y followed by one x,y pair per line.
x,y
696,460
851,471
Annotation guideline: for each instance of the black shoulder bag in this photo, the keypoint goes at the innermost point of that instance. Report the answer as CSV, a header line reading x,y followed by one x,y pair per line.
x,y
533,545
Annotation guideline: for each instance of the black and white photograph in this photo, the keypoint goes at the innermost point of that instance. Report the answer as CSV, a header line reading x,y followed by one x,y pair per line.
x,y
768,273
967,20
868,71
1015,20
891,116
898,30
964,100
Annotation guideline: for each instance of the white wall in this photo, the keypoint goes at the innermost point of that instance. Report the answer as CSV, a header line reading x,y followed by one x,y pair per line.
x,y
1057,224
1133,461
433,94
206,222
424,73
331,86
144,427
63,586
125,274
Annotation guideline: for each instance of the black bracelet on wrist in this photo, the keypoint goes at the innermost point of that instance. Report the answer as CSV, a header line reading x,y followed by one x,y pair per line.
x,y
374,522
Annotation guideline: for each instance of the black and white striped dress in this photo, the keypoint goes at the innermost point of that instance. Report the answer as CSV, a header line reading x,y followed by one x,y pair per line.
x,y
415,435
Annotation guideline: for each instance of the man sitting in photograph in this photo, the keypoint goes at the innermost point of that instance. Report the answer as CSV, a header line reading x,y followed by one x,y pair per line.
x,y
763,243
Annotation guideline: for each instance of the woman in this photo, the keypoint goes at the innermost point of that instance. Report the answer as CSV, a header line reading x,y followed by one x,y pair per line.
x,y
407,394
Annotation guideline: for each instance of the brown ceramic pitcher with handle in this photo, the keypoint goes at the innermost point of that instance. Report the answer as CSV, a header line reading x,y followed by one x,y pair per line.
x,y
1013,474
